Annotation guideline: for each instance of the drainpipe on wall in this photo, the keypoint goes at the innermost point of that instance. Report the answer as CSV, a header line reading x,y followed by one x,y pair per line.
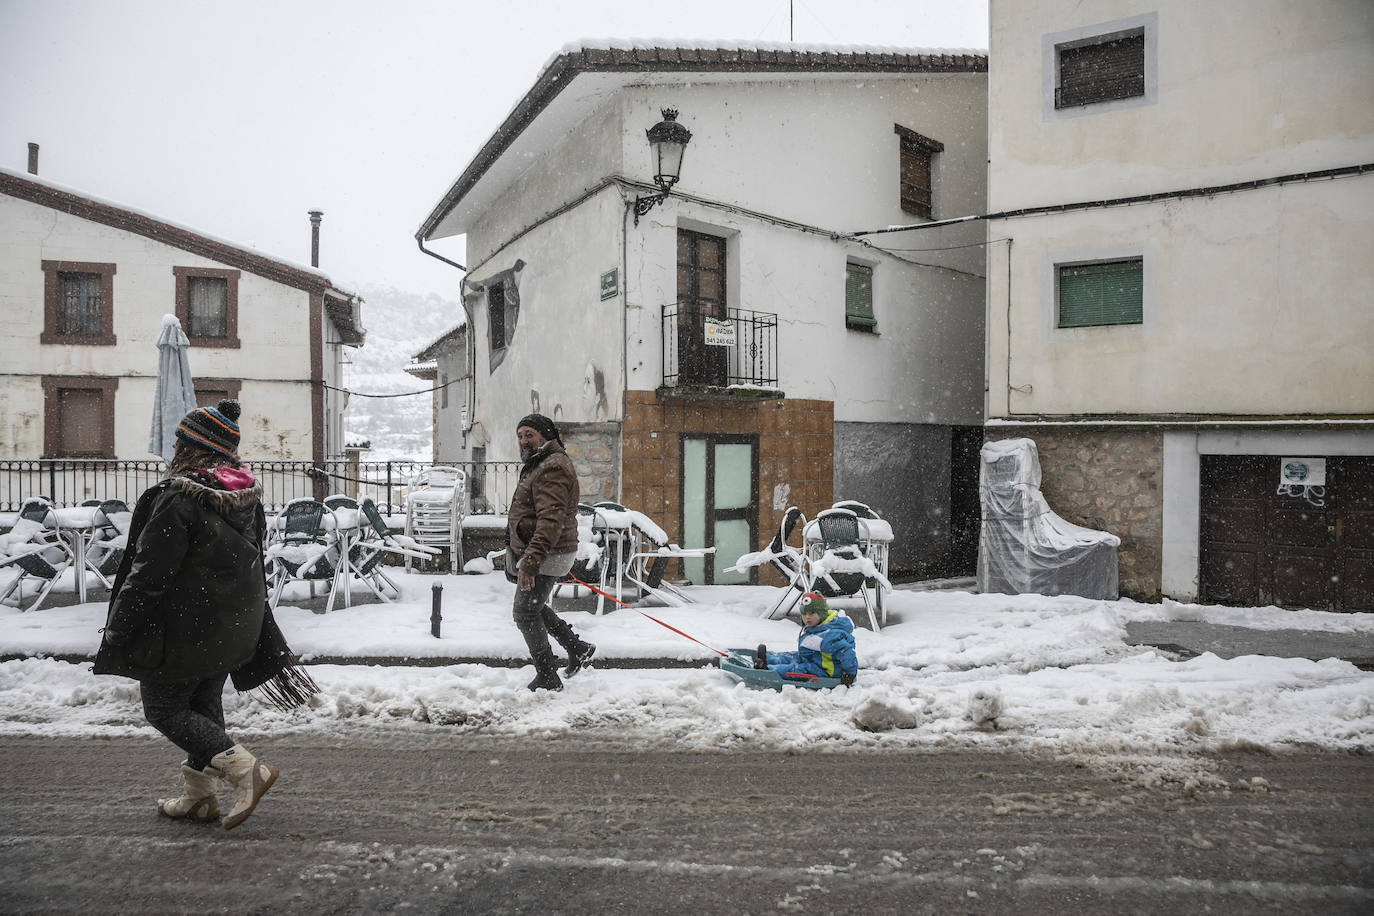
x,y
469,415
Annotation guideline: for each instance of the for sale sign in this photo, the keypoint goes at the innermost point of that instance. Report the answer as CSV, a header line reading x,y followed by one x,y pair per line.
x,y
719,333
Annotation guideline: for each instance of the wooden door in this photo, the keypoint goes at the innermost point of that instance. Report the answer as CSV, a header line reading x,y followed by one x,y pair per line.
x,y
700,295
1260,546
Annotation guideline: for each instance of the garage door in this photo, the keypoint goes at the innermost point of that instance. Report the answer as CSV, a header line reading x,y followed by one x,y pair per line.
x,y
1260,546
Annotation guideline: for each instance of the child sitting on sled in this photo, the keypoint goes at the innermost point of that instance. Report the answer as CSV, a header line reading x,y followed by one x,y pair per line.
x,y
825,647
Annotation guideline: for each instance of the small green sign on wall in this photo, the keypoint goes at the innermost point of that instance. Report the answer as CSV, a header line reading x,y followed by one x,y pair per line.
x,y
610,283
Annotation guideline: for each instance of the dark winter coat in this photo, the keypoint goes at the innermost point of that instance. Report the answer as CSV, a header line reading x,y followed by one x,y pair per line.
x,y
543,509
187,602
825,650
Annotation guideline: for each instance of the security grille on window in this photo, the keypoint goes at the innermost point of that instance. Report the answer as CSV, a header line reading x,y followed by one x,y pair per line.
x,y
208,300
916,155
1102,70
1101,294
858,297
80,303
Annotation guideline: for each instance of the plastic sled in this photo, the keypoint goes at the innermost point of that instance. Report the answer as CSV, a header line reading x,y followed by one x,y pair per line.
x,y
740,665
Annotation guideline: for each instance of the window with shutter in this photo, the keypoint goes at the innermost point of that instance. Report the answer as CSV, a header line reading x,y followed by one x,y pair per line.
x,y
916,154
1109,68
858,298
1102,294
78,416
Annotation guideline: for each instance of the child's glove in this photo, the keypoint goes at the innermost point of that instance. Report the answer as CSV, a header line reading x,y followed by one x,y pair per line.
x,y
847,679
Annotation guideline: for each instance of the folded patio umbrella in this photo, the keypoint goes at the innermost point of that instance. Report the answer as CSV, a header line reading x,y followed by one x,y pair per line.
x,y
176,392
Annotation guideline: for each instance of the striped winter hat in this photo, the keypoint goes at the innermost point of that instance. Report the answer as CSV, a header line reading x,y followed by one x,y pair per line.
x,y
213,427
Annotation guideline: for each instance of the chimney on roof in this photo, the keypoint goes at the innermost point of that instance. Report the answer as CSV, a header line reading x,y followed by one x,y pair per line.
x,y
33,158
315,216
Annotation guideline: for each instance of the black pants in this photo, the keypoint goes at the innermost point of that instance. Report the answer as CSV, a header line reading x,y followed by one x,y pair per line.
x,y
191,715
536,621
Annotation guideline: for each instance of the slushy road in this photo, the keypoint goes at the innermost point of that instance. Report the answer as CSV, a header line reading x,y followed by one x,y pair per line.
x,y
431,821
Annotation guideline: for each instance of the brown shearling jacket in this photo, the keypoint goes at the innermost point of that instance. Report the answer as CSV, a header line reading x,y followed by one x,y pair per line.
x,y
543,509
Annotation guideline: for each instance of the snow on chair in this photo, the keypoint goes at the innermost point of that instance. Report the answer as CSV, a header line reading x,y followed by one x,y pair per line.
x,y
790,562
591,562
435,507
842,570
1024,546
109,538
649,556
305,552
37,549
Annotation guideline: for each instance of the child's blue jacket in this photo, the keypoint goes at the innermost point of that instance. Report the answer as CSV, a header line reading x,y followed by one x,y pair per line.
x,y
825,650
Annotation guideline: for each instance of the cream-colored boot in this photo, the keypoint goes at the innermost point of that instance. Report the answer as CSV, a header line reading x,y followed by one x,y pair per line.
x,y
197,801
250,777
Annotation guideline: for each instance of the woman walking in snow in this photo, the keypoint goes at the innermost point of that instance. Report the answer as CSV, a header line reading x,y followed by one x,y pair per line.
x,y
187,608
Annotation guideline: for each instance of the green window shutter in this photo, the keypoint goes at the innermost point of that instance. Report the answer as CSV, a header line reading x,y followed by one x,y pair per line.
x,y
1092,295
858,296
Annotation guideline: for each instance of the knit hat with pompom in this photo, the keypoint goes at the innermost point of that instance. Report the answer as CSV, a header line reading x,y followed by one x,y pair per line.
x,y
213,427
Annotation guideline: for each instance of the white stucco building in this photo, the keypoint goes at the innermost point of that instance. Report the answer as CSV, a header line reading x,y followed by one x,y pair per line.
x,y
83,287
732,351
1182,300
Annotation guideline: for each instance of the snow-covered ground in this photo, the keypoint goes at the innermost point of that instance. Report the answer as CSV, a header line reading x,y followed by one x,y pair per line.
x,y
950,669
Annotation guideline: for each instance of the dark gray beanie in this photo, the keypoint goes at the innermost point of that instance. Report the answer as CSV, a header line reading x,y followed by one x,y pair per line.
x,y
542,425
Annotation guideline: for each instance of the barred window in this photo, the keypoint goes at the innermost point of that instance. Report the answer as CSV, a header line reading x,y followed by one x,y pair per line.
x,y
80,311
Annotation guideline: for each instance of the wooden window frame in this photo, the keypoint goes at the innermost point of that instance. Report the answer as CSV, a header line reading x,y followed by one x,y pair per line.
x,y
53,385
917,151
52,303
230,340
229,386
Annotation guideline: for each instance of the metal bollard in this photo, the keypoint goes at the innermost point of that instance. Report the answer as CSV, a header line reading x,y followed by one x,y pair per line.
x,y
435,617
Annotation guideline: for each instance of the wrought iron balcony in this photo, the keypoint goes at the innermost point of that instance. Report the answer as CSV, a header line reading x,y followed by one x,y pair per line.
x,y
705,348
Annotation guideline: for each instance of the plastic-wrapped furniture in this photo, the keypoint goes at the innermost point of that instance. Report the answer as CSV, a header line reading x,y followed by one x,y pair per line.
x,y
1025,547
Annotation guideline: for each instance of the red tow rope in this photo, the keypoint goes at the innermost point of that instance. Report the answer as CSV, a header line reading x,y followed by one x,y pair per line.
x,y
650,616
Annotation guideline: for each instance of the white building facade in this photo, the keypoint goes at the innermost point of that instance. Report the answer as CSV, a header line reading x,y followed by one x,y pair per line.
x,y
1181,297
83,288
854,370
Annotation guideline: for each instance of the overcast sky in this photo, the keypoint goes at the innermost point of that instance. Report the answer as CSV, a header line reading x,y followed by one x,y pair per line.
x,y
235,118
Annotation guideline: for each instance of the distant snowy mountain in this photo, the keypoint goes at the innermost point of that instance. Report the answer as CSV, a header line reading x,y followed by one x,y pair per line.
x,y
399,324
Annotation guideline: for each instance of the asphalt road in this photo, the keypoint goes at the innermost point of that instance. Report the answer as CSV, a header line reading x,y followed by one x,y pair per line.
x,y
437,822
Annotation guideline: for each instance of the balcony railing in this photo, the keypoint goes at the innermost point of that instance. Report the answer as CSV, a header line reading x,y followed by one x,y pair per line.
x,y
68,482
704,348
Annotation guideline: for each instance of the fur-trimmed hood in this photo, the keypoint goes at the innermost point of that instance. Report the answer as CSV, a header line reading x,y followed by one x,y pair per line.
x,y
222,501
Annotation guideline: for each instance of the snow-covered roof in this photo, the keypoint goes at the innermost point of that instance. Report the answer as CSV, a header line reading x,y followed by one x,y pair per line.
x,y
429,353
78,203
582,74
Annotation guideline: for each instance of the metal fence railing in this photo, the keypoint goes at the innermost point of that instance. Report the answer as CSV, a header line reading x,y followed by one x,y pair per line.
x,y
739,347
69,482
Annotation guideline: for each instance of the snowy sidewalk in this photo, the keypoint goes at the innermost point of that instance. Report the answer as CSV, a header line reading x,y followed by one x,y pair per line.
x,y
951,669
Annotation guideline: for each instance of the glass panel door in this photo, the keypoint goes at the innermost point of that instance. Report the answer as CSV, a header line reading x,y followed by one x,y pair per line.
x,y
719,504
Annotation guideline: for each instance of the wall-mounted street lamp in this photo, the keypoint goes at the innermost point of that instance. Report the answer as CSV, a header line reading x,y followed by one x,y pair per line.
x,y
667,141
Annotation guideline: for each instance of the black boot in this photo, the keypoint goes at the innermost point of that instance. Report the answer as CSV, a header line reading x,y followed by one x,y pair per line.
x,y
578,657
761,658
545,671
545,680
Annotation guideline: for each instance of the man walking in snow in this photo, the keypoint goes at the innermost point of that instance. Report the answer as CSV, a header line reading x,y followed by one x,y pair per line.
x,y
543,545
